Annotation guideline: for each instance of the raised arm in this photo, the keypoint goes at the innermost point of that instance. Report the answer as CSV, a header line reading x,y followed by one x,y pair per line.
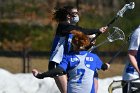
x,y
67,28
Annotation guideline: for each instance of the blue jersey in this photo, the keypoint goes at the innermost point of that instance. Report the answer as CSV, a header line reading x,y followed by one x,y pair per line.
x,y
61,46
81,67
62,40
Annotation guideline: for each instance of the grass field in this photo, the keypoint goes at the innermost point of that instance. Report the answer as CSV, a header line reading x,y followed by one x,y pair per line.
x,y
15,65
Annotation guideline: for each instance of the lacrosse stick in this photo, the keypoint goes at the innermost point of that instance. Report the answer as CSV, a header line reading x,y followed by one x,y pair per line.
x,y
119,51
120,13
117,34
116,84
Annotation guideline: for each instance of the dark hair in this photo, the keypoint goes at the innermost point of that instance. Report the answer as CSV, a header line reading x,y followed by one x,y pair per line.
x,y
61,13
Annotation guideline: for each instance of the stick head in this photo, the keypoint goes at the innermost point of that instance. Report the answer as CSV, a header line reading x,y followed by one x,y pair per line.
x,y
118,34
131,5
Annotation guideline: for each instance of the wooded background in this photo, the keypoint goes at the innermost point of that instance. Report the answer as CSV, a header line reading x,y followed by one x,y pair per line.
x,y
27,30
28,24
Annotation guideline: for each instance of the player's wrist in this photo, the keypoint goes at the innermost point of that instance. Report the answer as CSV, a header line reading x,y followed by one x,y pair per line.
x,y
104,67
39,76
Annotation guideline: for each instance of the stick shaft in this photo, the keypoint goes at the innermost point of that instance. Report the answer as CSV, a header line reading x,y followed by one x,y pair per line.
x,y
112,21
108,25
91,49
120,50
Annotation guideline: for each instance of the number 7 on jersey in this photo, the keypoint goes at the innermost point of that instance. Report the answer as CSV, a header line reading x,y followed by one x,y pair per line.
x,y
80,72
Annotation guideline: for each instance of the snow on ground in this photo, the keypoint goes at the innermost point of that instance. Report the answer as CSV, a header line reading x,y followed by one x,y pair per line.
x,y
26,83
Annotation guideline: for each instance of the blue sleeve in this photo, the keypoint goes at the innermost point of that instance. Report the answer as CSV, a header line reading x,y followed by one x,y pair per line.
x,y
98,63
64,63
68,43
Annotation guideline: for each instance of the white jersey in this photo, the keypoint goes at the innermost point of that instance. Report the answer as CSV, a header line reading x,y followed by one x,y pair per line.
x,y
135,40
61,45
129,71
58,52
81,68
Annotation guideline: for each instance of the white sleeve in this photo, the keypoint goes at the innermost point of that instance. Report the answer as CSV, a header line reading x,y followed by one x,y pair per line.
x,y
135,40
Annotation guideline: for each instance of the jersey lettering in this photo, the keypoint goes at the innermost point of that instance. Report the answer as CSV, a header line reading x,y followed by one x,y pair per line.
x,y
89,58
74,59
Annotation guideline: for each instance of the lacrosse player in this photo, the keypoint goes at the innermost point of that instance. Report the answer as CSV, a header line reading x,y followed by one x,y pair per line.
x,y
79,64
67,17
132,69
